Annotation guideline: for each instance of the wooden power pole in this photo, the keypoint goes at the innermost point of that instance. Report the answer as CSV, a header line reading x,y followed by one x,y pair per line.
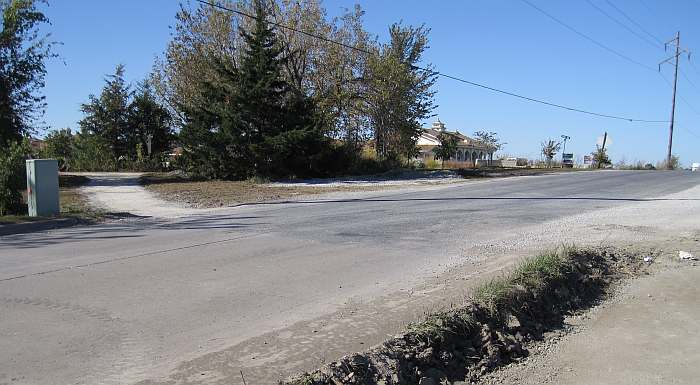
x,y
677,43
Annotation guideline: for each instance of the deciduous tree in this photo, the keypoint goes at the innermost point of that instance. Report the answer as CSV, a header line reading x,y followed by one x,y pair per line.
x,y
549,150
400,95
447,147
23,51
600,157
490,140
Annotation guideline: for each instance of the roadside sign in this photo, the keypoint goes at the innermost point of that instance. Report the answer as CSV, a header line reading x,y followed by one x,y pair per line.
x,y
567,160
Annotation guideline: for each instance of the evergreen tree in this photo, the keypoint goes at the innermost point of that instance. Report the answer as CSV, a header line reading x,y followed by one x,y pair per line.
x,y
22,54
107,116
253,122
261,89
149,120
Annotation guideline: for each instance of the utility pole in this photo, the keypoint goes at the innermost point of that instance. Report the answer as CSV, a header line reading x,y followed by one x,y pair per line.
x,y
605,139
677,43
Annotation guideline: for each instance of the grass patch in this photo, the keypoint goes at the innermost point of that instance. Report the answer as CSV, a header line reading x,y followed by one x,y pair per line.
x,y
72,203
500,318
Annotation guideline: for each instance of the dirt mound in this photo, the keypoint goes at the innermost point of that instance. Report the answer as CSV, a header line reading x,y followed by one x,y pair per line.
x,y
492,330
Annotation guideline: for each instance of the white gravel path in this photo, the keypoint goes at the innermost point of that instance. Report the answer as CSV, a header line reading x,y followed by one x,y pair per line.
x,y
121,193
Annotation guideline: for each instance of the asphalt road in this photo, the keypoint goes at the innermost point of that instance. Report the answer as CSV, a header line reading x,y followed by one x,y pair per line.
x,y
125,302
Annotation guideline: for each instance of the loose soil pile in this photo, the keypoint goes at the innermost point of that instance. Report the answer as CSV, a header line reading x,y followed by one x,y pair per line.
x,y
493,328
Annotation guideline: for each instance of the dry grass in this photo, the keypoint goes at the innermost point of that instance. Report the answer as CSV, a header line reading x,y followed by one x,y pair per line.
x,y
73,203
220,193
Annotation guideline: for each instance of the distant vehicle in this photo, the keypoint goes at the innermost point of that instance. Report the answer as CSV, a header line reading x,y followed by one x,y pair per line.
x,y
695,167
567,160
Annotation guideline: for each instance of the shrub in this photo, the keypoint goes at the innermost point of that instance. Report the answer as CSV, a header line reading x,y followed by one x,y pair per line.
x,y
92,153
59,146
675,164
12,176
433,164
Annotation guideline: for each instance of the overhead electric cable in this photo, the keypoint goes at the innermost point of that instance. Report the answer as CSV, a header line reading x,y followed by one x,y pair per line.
x,y
623,25
592,40
692,108
475,84
661,43
692,83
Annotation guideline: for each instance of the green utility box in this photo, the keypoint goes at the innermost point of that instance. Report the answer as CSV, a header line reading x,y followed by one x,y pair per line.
x,y
42,187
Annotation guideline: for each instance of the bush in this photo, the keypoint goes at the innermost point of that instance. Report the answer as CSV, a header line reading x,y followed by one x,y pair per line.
x,y
59,146
675,164
433,164
12,176
91,153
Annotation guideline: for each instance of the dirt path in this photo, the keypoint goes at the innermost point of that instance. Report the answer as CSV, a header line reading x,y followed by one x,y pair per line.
x,y
121,193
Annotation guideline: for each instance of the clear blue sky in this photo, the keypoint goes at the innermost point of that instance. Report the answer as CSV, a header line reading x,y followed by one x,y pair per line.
x,y
501,43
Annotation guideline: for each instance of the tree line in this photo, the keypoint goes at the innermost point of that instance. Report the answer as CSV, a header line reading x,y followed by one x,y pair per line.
x,y
254,99
239,95
121,128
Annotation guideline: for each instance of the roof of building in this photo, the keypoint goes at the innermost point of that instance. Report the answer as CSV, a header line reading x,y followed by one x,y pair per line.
x,y
431,136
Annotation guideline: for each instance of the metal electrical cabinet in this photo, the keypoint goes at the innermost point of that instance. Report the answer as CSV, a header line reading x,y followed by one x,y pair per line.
x,y
42,187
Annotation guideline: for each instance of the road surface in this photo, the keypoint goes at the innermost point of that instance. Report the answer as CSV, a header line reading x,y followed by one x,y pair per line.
x,y
197,299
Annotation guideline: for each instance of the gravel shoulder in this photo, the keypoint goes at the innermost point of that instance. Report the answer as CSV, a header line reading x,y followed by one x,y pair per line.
x,y
645,334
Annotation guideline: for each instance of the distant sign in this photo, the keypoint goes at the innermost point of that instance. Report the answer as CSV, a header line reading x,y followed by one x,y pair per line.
x,y
587,159
566,157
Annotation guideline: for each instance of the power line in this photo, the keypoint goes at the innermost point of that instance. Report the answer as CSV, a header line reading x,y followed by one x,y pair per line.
x,y
592,40
284,26
695,110
694,67
688,80
691,132
661,43
623,25
551,104
465,81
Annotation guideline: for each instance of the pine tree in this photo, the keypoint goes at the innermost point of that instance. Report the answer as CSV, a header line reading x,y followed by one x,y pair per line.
x,y
107,116
282,123
261,89
253,122
148,119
